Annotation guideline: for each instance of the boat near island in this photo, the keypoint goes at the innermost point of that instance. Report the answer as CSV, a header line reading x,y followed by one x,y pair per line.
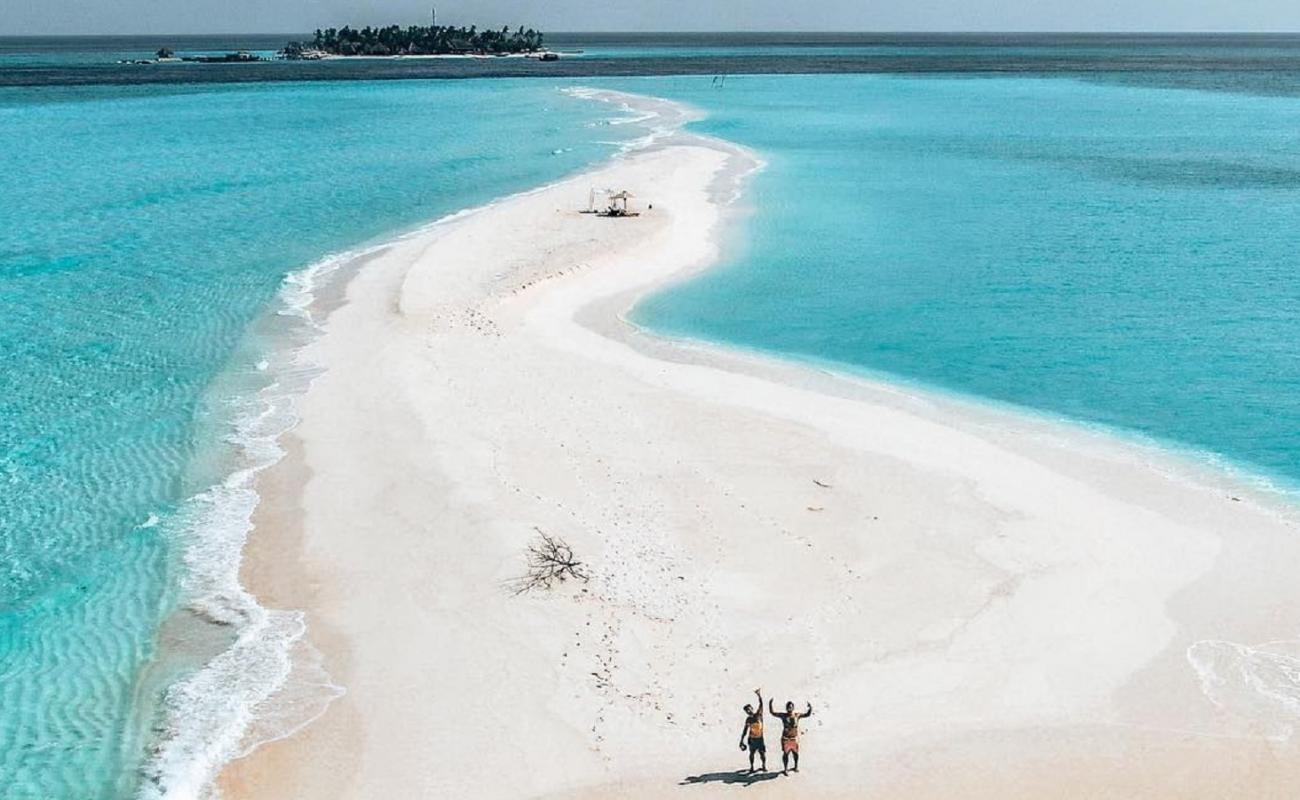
x,y
240,57
307,54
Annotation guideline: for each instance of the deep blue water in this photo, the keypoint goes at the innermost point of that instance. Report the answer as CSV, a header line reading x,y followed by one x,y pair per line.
x,y
1253,63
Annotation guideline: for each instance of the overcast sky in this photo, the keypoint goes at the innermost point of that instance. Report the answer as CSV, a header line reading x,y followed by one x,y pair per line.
x,y
276,16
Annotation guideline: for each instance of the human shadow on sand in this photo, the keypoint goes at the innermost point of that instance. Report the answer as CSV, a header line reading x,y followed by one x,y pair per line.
x,y
741,776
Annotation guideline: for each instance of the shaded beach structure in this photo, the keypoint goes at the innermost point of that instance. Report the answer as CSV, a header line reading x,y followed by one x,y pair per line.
x,y
616,206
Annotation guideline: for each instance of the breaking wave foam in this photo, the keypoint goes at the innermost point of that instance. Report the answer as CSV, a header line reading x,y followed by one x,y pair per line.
x,y
660,118
269,682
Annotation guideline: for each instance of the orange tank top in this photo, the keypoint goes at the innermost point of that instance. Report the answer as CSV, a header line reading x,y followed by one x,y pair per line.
x,y
756,729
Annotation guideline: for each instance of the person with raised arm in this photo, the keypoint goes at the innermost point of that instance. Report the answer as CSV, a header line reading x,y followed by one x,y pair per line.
x,y
751,736
789,733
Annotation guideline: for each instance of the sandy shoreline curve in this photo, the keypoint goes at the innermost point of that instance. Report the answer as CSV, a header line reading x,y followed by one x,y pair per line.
x,y
973,601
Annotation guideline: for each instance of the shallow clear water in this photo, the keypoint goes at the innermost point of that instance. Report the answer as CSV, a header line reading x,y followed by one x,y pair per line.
x,y
143,229
1116,253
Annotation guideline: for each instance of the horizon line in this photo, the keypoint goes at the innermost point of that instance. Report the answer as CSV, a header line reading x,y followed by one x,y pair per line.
x,y
705,31
690,31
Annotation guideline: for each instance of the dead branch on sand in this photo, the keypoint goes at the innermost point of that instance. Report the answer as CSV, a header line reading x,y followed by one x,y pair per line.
x,y
550,561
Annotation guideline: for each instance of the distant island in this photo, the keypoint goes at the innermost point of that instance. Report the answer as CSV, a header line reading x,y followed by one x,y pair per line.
x,y
415,40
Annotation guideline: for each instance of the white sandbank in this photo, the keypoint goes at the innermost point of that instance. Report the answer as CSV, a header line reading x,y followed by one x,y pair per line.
x,y
973,600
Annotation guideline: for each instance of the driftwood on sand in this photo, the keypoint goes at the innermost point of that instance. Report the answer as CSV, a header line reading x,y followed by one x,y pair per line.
x,y
550,561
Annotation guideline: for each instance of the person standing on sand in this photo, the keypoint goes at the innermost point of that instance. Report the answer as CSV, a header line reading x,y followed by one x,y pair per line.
x,y
753,732
789,733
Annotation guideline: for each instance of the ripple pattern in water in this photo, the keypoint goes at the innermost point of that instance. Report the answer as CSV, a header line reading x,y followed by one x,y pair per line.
x,y
142,230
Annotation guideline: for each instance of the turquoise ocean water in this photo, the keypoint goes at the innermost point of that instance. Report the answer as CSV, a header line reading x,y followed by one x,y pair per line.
x,y
1103,250
1112,247
142,231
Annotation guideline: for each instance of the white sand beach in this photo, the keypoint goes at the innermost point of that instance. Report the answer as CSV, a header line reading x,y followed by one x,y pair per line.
x,y
973,600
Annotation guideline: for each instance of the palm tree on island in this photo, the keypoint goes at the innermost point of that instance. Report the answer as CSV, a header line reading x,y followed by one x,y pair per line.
x,y
418,40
